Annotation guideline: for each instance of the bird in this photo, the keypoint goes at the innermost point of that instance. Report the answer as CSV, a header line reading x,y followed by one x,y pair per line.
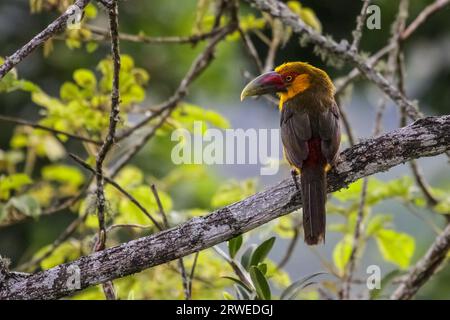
x,y
310,133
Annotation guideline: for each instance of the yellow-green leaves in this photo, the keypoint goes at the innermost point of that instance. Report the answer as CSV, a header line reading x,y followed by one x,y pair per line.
x,y
234,245
261,251
68,177
231,192
85,79
378,190
443,206
396,247
25,204
83,104
261,285
130,213
342,252
13,182
306,14
188,115
67,251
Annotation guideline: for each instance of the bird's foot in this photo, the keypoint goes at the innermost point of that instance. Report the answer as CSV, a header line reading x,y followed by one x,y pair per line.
x,y
294,175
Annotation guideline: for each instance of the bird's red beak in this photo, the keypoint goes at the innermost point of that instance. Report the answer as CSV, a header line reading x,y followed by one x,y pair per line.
x,y
269,82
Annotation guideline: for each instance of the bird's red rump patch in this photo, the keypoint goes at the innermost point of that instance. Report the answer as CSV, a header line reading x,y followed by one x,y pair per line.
x,y
315,155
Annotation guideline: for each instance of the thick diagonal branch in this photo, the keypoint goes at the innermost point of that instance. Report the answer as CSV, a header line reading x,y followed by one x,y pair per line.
x,y
426,137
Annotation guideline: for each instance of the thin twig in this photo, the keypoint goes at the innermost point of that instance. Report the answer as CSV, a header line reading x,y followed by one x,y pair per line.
x,y
113,121
292,243
66,234
122,161
192,274
126,225
184,277
360,20
119,188
160,206
250,48
423,16
355,244
55,131
277,36
192,39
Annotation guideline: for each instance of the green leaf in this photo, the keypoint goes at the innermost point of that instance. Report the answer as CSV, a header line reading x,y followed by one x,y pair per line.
x,y
232,192
234,245
64,174
291,291
130,176
3,212
443,206
396,247
13,182
85,78
67,251
228,296
377,223
342,252
90,11
91,46
242,293
262,251
69,91
26,204
260,283
263,268
238,282
246,257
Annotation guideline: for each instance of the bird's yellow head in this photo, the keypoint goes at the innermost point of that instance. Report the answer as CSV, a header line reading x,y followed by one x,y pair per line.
x,y
289,80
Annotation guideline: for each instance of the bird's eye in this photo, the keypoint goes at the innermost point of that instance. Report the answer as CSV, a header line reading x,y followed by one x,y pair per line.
x,y
288,78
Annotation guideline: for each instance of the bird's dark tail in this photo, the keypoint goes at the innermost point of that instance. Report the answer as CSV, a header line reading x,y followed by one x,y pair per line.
x,y
313,185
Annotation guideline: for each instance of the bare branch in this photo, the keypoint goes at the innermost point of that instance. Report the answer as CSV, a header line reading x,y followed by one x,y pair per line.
x,y
355,244
425,137
55,131
357,33
56,26
113,120
193,39
423,16
119,188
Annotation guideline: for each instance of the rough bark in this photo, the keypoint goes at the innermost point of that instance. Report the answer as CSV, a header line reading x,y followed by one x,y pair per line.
x,y
426,137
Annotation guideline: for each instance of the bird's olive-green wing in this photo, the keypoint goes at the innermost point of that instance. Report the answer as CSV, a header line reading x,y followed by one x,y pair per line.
x,y
329,132
295,133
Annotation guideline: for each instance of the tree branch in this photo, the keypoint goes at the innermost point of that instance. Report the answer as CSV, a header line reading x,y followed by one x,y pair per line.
x,y
425,137
54,131
423,16
56,26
